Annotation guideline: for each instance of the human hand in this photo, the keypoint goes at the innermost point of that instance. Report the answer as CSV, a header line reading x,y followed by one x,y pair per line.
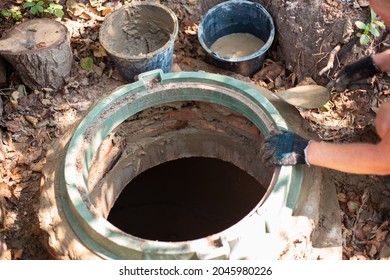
x,y
358,70
284,148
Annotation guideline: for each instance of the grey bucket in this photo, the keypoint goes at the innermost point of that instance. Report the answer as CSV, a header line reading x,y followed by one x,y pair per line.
x,y
140,37
237,16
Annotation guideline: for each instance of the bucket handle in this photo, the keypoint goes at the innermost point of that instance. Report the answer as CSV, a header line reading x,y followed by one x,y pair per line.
x,y
150,75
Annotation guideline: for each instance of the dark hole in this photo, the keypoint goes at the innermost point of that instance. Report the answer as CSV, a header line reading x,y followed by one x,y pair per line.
x,y
185,199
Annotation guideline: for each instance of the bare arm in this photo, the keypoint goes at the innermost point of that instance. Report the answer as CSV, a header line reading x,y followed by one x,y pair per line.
x,y
352,158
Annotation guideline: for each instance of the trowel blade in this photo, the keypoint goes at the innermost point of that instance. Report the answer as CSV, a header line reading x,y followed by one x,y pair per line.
x,y
306,97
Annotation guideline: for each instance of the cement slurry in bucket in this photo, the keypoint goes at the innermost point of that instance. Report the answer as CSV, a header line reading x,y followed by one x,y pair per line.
x,y
231,46
232,17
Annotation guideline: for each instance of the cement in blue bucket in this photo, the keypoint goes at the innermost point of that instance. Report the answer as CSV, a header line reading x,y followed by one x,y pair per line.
x,y
140,37
231,17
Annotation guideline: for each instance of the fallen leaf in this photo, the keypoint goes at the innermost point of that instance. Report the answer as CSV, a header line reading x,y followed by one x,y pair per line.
x,y
5,254
353,206
86,63
271,70
46,101
15,95
75,9
106,10
372,252
18,254
13,126
37,167
380,236
32,120
5,191
98,51
98,70
31,102
342,197
367,229
363,3
359,234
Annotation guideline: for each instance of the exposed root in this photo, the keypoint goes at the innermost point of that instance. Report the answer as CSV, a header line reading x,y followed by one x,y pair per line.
x,y
332,56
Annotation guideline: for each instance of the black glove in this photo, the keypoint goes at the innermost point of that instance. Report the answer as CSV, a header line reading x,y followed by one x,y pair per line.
x,y
284,148
358,70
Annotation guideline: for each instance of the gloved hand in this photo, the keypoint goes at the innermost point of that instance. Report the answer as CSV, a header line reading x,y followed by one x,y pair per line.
x,y
360,69
284,148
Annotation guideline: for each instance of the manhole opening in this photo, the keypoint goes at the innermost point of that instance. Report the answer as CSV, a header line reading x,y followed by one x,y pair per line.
x,y
185,199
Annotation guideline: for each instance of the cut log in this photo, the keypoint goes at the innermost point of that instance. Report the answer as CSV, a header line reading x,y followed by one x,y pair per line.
x,y
40,52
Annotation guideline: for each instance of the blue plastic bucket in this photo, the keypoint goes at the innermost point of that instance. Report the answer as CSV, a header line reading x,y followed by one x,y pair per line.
x,y
140,37
231,17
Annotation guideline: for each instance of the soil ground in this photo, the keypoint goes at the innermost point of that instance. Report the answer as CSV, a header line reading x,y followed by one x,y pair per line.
x,y
32,120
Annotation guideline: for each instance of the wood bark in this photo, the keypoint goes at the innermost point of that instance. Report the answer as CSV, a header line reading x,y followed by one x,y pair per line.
x,y
39,50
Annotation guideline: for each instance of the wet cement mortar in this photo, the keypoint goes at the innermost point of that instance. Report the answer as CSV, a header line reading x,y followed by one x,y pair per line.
x,y
138,32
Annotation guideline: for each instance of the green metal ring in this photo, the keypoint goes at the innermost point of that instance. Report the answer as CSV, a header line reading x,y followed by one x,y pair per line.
x,y
156,88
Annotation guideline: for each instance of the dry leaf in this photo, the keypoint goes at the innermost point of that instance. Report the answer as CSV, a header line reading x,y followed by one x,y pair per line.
x,y
106,10
75,9
367,230
176,67
98,51
342,197
353,206
271,70
372,252
32,120
185,60
380,236
37,167
46,102
5,191
363,3
18,254
5,254
13,126
360,234
98,70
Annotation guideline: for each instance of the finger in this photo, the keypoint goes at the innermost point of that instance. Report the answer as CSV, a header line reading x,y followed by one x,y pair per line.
x,y
267,152
331,84
267,155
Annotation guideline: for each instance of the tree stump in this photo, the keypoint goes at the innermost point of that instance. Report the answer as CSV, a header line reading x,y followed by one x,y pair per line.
x,y
40,52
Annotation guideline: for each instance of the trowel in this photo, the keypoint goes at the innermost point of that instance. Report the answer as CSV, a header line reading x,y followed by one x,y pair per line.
x,y
306,97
